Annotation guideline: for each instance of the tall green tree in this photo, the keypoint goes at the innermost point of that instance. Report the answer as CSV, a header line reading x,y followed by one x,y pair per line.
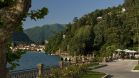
x,y
104,30
12,13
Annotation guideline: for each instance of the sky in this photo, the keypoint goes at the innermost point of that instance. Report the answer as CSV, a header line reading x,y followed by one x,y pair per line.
x,y
63,11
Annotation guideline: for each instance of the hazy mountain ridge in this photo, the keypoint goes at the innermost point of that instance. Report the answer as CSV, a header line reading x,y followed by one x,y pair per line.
x,y
42,33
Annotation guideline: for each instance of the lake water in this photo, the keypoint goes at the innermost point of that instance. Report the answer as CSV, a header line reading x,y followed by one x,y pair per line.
x,y
31,59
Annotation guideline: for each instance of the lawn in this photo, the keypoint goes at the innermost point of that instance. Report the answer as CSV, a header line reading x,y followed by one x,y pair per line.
x,y
137,67
92,74
94,64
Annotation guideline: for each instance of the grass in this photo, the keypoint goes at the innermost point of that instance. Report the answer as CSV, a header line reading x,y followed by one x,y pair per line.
x,y
94,64
137,67
92,74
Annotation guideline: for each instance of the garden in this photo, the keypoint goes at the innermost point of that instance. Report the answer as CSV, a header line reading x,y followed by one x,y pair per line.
x,y
75,71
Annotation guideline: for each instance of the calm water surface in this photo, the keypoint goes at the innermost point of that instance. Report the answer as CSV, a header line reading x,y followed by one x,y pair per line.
x,y
31,59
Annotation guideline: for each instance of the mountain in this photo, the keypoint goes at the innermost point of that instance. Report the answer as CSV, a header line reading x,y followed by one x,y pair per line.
x,y
102,31
20,37
42,33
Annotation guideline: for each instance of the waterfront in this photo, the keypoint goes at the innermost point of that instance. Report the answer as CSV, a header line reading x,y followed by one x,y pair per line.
x,y
31,59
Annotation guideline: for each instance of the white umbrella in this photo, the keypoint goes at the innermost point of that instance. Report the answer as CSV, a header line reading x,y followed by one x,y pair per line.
x,y
133,51
118,50
129,51
125,50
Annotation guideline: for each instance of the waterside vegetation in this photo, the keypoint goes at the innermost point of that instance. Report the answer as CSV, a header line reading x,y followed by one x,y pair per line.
x,y
100,32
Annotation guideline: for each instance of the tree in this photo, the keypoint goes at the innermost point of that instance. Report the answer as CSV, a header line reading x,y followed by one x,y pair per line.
x,y
12,13
115,29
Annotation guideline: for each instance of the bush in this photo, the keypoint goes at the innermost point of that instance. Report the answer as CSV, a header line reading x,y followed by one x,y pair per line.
x,y
72,71
97,59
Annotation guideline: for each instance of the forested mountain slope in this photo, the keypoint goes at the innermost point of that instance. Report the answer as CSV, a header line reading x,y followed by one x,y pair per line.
x,y
40,34
101,31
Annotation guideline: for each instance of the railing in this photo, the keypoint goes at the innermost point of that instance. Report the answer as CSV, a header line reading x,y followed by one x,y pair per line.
x,y
30,73
40,70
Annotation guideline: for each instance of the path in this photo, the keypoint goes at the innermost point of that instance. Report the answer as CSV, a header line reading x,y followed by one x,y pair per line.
x,y
120,69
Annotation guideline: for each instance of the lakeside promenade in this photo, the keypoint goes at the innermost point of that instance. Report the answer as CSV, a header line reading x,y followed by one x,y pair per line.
x,y
120,69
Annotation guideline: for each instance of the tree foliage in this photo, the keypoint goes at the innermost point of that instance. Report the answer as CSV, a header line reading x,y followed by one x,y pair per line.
x,y
5,3
102,31
12,13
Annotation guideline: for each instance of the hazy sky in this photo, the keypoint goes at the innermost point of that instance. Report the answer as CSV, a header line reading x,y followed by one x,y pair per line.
x,y
63,11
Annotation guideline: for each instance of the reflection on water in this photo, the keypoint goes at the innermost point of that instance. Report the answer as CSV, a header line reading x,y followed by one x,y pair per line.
x,y
31,59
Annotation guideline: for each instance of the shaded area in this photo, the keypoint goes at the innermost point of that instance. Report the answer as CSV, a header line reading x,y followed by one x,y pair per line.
x,y
20,37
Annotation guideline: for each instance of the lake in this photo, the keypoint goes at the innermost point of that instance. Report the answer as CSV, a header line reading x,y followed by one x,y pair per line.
x,y
31,59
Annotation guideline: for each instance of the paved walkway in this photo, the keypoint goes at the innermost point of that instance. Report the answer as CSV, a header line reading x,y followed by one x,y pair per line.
x,y
120,69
